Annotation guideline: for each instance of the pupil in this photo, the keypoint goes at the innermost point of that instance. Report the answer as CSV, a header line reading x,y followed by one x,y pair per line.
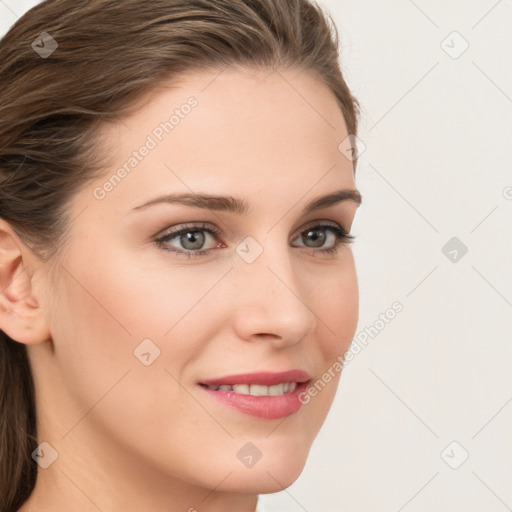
x,y
316,236
192,240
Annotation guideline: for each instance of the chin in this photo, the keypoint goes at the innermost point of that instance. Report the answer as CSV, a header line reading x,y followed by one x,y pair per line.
x,y
279,467
263,480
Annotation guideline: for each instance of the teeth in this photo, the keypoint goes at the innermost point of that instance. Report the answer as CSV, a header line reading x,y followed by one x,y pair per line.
x,y
242,389
257,389
278,389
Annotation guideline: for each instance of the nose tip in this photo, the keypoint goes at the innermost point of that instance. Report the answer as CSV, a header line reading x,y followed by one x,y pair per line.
x,y
273,308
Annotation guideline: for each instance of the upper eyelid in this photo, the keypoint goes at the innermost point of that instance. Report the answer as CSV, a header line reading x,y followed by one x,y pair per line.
x,y
206,226
314,223
188,227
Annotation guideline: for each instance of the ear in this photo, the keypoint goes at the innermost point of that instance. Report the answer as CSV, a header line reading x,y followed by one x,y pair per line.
x,y
21,316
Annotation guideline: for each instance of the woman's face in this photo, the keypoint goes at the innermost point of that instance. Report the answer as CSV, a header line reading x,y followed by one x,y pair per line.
x,y
142,315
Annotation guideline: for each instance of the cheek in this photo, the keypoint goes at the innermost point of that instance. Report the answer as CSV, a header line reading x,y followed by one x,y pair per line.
x,y
102,313
100,317
134,300
335,302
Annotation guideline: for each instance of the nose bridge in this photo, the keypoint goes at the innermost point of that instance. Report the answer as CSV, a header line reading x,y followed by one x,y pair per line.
x,y
271,272
270,296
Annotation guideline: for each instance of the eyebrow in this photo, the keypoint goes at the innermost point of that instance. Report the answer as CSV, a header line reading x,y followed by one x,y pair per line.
x,y
240,206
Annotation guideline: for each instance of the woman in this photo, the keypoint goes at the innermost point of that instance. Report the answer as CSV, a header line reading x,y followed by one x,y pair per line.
x,y
177,289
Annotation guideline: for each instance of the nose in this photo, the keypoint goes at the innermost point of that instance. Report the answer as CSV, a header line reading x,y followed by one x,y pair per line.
x,y
270,300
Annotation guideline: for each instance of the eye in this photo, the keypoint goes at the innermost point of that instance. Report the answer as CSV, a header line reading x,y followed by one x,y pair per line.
x,y
198,240
190,241
324,236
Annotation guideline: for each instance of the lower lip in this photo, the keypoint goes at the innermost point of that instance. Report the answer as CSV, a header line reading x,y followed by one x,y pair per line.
x,y
268,407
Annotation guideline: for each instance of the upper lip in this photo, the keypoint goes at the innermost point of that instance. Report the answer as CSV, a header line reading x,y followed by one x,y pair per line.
x,y
261,378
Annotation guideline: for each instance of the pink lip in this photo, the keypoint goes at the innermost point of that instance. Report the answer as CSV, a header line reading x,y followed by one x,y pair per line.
x,y
261,378
267,407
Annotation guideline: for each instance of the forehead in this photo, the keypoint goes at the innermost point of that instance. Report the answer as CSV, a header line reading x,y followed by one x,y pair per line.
x,y
252,130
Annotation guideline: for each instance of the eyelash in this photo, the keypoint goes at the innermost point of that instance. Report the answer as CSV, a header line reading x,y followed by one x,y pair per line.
x,y
342,237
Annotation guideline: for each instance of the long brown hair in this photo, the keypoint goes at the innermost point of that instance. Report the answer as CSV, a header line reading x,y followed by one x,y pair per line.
x,y
69,66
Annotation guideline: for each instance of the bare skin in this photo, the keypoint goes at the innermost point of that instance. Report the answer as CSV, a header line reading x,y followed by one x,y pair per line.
x,y
132,437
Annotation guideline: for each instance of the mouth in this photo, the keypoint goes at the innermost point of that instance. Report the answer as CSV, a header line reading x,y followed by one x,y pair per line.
x,y
257,389
263,395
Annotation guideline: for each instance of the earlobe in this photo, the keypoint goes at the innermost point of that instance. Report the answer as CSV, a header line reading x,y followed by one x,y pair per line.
x,y
21,316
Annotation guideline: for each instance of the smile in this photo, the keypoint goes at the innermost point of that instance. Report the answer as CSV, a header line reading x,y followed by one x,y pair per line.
x,y
257,389
262,395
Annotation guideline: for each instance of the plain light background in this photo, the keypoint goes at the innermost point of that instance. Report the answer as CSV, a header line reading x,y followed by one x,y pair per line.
x,y
422,419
